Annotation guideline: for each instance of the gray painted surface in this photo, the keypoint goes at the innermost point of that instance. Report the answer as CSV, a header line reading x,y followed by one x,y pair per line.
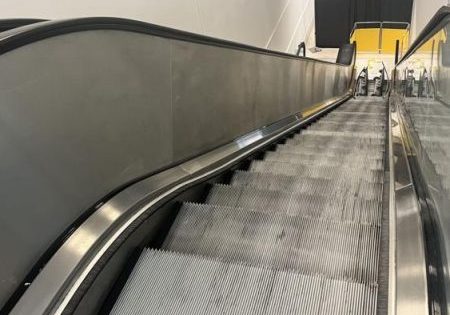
x,y
83,113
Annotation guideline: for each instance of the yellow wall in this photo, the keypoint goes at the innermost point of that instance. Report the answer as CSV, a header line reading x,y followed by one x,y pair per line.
x,y
367,39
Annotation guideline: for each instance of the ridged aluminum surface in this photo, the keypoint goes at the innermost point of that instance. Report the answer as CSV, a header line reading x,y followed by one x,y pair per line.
x,y
310,186
339,204
309,245
296,233
172,283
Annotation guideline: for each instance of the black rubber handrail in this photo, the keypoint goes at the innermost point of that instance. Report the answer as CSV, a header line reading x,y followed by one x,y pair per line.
x,y
15,38
7,24
437,21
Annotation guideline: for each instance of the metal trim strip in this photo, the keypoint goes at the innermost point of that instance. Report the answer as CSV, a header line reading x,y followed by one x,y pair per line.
x,y
408,293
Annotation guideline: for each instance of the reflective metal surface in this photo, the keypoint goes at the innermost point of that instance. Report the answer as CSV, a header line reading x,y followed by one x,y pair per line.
x,y
408,281
422,95
57,283
87,112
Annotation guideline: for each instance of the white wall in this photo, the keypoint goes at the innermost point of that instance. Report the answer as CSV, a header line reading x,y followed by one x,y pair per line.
x,y
273,24
423,11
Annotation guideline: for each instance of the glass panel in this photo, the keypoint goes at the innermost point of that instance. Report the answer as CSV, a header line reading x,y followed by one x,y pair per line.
x,y
422,84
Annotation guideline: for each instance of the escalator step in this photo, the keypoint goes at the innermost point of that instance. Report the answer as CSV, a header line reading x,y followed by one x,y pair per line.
x,y
363,110
350,127
349,143
171,283
335,149
340,205
361,107
357,161
357,115
337,133
318,171
344,120
339,250
310,186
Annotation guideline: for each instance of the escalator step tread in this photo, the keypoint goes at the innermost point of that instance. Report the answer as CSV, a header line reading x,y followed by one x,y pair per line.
x,y
310,186
317,171
172,283
357,115
339,250
340,119
349,141
338,205
357,161
337,133
325,125
334,149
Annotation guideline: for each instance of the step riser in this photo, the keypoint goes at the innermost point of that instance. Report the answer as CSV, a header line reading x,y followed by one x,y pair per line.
x,y
314,171
305,245
169,283
339,206
309,186
358,162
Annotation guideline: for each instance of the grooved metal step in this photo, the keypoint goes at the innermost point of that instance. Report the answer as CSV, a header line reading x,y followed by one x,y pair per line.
x,y
358,160
345,120
346,133
335,149
340,250
309,186
340,205
171,283
317,171
357,115
349,127
359,107
346,142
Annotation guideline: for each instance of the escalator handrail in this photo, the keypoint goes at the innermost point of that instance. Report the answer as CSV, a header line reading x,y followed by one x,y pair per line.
x,y
8,24
18,37
435,25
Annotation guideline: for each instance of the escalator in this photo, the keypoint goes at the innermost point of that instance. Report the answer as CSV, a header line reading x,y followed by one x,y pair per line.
x,y
147,170
296,233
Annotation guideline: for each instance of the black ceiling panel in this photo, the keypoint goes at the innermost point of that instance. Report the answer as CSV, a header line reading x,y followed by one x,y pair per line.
x,y
331,28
